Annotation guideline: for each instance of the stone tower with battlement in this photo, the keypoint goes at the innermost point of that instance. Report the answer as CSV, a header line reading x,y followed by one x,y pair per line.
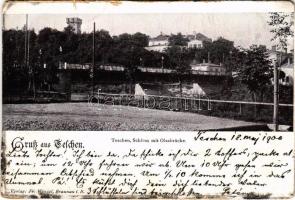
x,y
75,23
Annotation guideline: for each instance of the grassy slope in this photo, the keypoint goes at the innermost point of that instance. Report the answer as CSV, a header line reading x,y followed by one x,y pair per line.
x,y
83,116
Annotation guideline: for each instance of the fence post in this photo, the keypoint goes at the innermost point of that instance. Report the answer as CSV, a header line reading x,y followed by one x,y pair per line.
x,y
98,95
143,103
200,105
186,104
240,112
255,111
209,104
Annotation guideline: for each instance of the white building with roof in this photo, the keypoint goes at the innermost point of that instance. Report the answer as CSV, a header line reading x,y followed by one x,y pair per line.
x,y
275,55
197,40
288,69
159,43
195,44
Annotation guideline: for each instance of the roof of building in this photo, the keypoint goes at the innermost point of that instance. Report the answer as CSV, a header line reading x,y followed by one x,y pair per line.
x,y
198,36
160,38
288,65
276,51
190,37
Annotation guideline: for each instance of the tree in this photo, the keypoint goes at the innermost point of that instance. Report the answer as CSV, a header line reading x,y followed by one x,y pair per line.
x,y
83,52
13,39
180,62
128,50
255,71
219,50
69,41
49,42
282,27
140,39
103,45
177,40
15,69
282,24
235,59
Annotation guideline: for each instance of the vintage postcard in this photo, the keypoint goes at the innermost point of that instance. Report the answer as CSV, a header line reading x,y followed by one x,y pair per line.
x,y
148,100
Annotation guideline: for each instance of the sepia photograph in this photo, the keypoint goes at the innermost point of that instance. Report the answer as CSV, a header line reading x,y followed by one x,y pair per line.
x,y
148,71
147,100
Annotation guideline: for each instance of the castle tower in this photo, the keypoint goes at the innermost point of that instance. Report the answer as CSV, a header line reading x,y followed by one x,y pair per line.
x,y
75,23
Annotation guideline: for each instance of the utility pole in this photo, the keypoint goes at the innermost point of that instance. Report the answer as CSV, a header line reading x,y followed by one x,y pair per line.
x,y
276,97
27,58
3,22
230,61
26,27
31,70
162,63
28,51
93,58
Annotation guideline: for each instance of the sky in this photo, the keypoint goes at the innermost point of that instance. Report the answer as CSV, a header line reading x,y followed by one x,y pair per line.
x,y
244,29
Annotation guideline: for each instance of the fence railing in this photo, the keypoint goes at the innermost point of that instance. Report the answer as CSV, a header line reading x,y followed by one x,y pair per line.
x,y
245,110
194,98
